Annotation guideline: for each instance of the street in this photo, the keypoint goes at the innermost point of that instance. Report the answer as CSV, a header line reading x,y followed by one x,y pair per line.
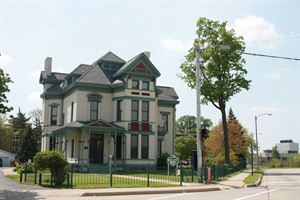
x,y
277,184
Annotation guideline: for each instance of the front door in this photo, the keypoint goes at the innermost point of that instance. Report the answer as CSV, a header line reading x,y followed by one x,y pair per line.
x,y
96,148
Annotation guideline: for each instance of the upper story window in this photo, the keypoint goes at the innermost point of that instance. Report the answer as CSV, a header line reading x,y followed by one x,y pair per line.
x,y
134,110
145,111
119,110
145,85
165,121
72,111
94,100
135,84
54,112
93,110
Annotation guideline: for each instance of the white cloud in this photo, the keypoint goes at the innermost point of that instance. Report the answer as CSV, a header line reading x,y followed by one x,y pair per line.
x,y
34,96
175,45
255,29
5,58
277,73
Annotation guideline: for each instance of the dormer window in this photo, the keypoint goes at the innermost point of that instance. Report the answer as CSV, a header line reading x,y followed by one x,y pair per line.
x,y
135,84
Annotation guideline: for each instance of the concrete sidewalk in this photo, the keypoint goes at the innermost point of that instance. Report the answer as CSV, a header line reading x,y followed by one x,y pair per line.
x,y
236,181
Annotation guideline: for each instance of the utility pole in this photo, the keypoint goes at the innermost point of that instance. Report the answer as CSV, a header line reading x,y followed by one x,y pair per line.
x,y
198,97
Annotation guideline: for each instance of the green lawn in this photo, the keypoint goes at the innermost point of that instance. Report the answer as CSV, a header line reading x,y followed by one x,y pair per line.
x,y
97,180
252,179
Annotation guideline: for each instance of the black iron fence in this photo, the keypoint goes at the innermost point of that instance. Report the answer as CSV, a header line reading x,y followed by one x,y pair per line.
x,y
96,176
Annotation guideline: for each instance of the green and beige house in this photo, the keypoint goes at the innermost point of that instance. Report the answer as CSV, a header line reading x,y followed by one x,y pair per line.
x,y
110,107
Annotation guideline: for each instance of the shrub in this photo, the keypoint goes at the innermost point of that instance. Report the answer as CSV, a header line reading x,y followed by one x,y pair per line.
x,y
294,161
162,161
53,161
275,163
25,167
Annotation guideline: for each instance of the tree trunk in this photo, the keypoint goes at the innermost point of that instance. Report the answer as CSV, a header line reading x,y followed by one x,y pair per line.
x,y
225,133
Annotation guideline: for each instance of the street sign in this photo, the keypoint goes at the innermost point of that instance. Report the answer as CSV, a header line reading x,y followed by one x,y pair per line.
x,y
173,160
73,160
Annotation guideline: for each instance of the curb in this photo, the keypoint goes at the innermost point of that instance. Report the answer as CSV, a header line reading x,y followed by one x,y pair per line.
x,y
258,182
142,192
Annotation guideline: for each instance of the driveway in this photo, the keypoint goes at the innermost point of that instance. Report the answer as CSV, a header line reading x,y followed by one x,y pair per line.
x,y
11,190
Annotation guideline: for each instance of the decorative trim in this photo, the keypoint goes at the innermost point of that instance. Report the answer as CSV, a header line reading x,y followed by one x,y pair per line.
x,y
54,105
162,112
94,97
133,98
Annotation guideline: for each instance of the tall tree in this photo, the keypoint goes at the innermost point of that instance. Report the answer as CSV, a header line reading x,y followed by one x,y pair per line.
x,y
222,71
4,81
184,146
28,147
214,144
6,136
19,122
275,153
36,116
187,124
232,117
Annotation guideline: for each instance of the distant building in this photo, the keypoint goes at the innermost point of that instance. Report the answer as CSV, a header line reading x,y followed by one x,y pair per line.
x,y
287,147
6,158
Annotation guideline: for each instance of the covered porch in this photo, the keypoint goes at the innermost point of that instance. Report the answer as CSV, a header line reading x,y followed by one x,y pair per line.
x,y
91,142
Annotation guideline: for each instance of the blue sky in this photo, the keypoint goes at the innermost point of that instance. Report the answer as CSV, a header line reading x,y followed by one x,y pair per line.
x,y
74,32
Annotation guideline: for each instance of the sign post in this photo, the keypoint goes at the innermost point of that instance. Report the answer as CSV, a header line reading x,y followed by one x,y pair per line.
x,y
172,161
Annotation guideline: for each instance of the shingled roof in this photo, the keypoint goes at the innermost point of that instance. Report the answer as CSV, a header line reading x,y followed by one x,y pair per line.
x,y
111,57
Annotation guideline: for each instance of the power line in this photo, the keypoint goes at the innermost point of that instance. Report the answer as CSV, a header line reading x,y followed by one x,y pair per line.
x,y
271,56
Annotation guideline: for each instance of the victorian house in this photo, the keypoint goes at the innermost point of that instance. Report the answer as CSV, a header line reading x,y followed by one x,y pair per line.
x,y
110,107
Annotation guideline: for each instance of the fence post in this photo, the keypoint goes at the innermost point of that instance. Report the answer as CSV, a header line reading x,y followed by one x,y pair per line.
x,y
25,177
110,171
68,180
181,175
35,173
51,180
148,176
40,179
192,167
21,177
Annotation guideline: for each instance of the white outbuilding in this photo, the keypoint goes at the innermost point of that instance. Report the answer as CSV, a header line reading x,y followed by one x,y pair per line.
x,y
6,158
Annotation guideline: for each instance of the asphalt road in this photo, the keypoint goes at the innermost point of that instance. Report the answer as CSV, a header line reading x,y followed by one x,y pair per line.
x,y
277,184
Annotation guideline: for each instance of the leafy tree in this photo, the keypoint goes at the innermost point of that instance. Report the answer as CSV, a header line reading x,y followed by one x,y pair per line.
x,y
187,124
53,161
162,161
214,144
184,145
275,153
222,71
5,135
4,81
28,147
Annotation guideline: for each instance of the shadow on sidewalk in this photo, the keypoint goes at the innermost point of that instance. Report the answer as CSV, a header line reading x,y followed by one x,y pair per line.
x,y
20,195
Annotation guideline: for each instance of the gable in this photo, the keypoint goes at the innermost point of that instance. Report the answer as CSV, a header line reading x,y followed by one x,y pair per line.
x,y
140,68
140,64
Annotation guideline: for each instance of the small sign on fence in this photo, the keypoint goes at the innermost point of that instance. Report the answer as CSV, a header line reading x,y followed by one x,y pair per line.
x,y
73,160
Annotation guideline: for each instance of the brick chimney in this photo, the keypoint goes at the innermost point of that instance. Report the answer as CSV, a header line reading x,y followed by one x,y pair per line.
x,y
147,53
48,66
